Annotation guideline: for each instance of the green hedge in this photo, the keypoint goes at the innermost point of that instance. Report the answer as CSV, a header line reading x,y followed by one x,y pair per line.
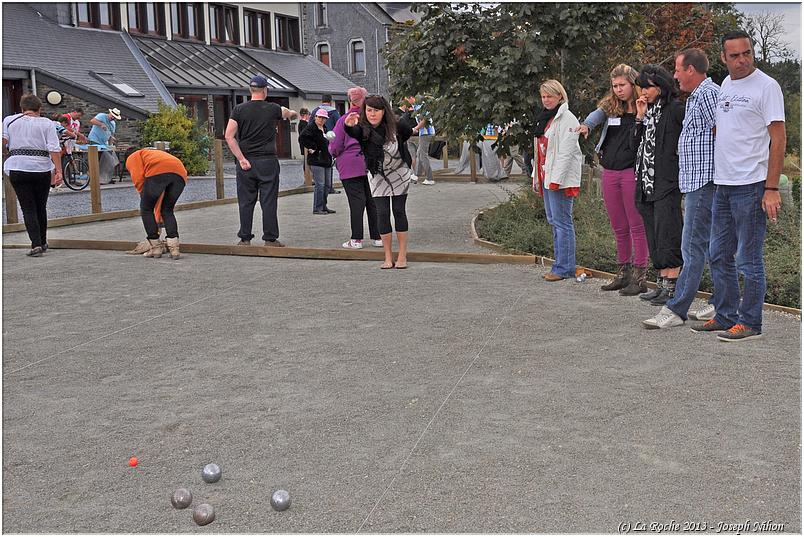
x,y
520,224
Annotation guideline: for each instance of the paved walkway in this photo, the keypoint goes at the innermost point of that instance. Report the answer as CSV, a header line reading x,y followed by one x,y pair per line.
x,y
443,398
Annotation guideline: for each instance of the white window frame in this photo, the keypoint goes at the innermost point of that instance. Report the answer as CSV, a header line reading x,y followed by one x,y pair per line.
x,y
321,23
351,55
318,56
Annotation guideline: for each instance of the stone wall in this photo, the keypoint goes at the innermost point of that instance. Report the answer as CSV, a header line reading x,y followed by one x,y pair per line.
x,y
128,130
347,21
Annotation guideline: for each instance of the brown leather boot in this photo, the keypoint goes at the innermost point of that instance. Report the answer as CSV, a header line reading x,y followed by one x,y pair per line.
x,y
621,280
636,284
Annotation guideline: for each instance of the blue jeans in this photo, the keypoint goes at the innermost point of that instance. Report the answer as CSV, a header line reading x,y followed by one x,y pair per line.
x,y
738,243
322,182
694,247
558,207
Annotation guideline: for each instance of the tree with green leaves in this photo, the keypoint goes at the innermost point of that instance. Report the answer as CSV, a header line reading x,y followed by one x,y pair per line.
x,y
483,64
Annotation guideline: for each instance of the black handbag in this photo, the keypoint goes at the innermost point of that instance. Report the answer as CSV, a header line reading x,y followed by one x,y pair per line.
x,y
436,149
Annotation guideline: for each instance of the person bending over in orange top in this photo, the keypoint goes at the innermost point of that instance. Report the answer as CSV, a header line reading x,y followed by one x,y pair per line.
x,y
160,178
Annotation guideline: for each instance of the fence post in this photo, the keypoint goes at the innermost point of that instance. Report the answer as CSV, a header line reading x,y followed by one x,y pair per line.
x,y
94,180
219,169
159,145
446,156
11,201
308,174
473,163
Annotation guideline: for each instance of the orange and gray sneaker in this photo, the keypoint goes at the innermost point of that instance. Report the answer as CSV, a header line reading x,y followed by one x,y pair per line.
x,y
709,326
739,332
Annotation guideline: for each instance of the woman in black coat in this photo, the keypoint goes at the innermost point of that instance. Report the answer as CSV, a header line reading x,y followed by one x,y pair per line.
x,y
659,117
314,137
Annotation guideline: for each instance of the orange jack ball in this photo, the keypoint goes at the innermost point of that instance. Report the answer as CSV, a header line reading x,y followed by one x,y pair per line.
x,y
133,461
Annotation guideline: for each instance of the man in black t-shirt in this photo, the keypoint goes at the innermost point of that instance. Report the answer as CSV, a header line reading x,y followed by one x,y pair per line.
x,y
251,136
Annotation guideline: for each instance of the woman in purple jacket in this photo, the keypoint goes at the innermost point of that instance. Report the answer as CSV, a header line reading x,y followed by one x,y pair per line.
x,y
352,171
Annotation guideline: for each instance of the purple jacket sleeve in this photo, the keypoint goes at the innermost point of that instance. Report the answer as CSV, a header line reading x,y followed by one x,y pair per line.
x,y
338,144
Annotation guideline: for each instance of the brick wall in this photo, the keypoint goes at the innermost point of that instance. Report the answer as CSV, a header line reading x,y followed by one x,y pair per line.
x,y
127,132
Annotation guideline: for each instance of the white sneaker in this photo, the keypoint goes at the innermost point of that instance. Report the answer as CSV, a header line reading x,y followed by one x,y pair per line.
x,y
707,313
377,243
664,319
353,244
428,182
414,178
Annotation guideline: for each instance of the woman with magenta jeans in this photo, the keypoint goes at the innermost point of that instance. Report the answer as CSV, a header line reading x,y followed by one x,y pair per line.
x,y
617,112
352,170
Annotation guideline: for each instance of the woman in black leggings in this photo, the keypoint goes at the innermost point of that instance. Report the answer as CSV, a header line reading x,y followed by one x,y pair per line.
x,y
33,165
388,160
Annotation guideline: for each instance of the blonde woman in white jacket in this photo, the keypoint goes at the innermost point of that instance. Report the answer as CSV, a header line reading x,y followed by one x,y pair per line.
x,y
557,175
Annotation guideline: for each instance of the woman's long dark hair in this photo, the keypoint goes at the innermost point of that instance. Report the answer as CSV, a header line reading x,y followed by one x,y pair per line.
x,y
656,75
388,122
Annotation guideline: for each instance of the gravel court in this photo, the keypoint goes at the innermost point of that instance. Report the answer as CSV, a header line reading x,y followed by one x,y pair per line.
x,y
444,398
548,427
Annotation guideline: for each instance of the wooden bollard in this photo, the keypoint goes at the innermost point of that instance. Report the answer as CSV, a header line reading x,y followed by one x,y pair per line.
x,y
473,163
308,174
11,201
219,169
446,155
94,180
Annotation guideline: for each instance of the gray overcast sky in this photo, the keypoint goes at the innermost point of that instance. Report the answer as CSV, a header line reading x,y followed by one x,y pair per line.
x,y
792,20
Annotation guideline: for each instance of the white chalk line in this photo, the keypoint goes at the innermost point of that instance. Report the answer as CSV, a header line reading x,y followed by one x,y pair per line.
x,y
104,336
435,415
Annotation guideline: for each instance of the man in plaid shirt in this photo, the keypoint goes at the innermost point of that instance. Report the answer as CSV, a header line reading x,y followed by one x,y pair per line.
x,y
696,155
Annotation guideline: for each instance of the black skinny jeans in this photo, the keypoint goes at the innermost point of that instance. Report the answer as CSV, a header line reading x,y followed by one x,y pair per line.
x,y
385,204
172,185
32,190
358,193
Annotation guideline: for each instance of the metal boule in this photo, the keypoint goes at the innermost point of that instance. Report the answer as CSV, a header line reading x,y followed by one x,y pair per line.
x,y
181,498
203,514
280,500
211,473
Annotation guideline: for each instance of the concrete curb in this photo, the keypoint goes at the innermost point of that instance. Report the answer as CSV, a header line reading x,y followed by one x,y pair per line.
x,y
598,273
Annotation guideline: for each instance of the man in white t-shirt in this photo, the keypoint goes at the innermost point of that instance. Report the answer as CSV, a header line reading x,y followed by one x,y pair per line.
x,y
749,153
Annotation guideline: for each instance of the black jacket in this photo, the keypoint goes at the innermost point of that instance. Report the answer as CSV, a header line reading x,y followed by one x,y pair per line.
x,y
312,138
372,141
668,130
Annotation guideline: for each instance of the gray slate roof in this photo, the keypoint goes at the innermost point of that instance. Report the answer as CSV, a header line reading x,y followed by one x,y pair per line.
x,y
69,54
306,73
399,11
181,64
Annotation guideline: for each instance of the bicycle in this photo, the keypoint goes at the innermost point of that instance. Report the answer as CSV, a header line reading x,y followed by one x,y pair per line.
x,y
75,171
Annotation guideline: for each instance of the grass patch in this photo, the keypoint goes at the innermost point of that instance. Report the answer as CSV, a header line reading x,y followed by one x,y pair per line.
x,y
520,224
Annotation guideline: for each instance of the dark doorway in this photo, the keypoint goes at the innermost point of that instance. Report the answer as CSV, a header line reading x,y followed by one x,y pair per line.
x,y
282,129
12,93
221,117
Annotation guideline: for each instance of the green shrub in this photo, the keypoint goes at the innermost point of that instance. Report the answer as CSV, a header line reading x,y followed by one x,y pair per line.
x,y
520,224
187,142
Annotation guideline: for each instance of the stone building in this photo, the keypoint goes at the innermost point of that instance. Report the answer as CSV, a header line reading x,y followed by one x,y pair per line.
x,y
134,55
349,37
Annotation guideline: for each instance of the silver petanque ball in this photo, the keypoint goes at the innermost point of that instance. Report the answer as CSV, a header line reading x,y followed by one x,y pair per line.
x,y
203,514
181,498
280,500
211,473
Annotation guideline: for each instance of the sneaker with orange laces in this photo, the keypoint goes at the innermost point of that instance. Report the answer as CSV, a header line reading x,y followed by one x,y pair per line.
x,y
709,326
739,332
